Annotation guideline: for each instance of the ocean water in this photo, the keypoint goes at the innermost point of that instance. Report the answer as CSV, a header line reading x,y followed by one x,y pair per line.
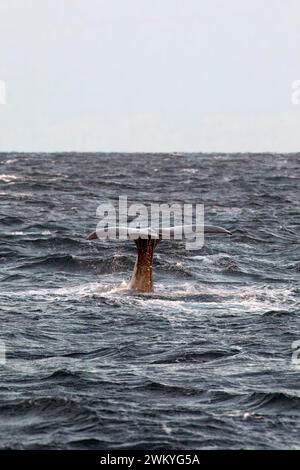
x,y
205,362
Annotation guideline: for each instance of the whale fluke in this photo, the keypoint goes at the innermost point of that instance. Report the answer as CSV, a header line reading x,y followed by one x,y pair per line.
x,y
146,240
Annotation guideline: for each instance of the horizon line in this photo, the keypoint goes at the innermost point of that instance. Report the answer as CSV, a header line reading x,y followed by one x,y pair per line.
x,y
145,152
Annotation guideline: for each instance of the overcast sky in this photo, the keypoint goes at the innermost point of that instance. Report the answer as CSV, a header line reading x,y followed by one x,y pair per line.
x,y
149,75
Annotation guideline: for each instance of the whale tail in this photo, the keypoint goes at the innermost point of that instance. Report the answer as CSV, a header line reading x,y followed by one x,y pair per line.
x,y
146,241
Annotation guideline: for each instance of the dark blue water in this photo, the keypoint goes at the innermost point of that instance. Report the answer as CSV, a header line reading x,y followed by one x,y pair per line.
x,y
205,362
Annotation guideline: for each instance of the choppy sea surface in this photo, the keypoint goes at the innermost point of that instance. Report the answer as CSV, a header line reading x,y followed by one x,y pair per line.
x,y
205,362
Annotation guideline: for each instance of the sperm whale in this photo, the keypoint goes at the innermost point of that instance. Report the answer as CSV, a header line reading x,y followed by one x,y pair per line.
x,y
146,240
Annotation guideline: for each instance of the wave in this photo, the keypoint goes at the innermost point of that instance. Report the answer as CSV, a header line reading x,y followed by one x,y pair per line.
x,y
8,178
272,402
223,262
49,410
70,263
11,220
193,357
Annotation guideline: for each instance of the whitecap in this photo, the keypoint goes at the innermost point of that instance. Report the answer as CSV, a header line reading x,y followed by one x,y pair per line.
x,y
8,178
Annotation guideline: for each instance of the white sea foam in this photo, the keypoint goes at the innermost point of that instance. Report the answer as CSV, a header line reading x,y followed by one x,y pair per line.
x,y
182,297
8,178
